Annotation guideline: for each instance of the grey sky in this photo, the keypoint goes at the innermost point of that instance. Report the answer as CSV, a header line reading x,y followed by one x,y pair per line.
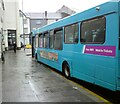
x,y
54,5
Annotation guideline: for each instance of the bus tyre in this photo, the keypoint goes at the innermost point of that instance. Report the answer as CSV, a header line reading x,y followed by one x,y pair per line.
x,y
66,71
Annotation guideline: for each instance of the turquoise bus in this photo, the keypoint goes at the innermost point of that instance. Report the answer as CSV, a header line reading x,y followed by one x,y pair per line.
x,y
85,45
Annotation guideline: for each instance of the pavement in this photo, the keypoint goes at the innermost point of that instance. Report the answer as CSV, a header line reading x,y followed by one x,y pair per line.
x,y
25,80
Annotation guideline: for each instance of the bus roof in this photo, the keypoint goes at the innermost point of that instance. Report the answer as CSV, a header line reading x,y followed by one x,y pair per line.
x,y
103,9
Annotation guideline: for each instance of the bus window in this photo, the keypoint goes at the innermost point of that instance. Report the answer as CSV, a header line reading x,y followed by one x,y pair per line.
x,y
58,39
46,40
51,39
71,34
93,31
40,40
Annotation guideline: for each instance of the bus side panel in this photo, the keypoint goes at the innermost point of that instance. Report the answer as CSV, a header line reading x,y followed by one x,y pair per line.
x,y
118,86
82,66
98,69
119,67
53,63
118,81
95,69
106,67
105,73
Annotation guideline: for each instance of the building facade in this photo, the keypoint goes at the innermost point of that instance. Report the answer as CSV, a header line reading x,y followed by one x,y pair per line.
x,y
2,9
16,26
38,20
12,24
32,21
24,28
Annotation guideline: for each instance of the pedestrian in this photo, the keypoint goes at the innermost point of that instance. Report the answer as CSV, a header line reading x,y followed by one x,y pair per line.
x,y
3,46
3,57
14,44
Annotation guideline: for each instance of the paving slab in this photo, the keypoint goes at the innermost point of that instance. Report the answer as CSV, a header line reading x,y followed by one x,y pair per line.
x,y
25,80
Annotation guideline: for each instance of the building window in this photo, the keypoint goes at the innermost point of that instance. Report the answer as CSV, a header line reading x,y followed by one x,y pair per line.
x,y
25,21
58,39
51,39
71,34
38,22
93,31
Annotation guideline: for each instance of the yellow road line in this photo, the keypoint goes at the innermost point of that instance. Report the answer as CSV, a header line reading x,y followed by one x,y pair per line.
x,y
92,93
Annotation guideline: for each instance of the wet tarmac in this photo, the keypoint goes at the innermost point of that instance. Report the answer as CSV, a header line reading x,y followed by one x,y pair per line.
x,y
25,80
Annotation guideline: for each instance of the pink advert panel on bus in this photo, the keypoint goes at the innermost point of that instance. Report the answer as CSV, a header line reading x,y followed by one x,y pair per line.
x,y
101,50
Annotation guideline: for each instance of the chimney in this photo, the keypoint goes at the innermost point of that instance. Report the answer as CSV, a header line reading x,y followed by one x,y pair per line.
x,y
45,14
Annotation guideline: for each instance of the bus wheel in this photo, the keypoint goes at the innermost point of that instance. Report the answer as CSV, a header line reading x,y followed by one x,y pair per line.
x,y
66,71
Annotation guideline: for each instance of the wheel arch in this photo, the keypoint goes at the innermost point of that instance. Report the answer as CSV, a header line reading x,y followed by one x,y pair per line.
x,y
64,63
69,62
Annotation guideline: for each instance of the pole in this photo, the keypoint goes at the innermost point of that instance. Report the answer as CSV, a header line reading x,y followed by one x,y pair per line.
x,y
23,34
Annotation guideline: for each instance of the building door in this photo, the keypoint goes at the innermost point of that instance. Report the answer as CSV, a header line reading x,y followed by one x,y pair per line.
x,y
11,38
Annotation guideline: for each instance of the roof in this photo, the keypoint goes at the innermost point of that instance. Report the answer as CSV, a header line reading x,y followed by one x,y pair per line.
x,y
57,15
65,9
42,15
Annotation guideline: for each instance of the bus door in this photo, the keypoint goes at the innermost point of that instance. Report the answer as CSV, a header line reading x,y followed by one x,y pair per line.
x,y
33,46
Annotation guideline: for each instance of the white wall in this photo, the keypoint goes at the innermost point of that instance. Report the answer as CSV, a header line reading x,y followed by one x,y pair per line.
x,y
0,42
28,19
1,25
12,19
21,24
18,25
0,45
50,21
26,27
10,15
